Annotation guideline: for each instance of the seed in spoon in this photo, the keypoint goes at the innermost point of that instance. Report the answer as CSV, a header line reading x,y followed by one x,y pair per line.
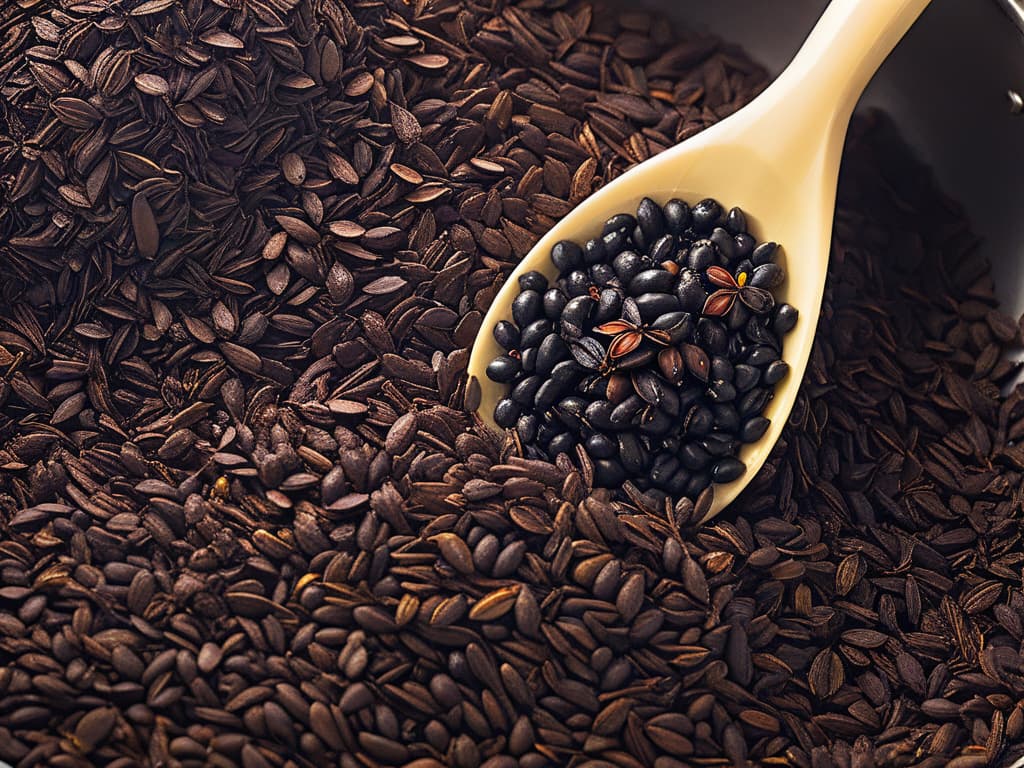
x,y
654,351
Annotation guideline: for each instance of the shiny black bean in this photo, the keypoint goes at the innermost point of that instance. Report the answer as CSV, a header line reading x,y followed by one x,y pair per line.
x,y
699,421
627,409
706,214
601,446
566,373
637,236
753,429
762,355
727,418
651,219
554,303
654,304
506,334
665,465
547,432
594,252
547,395
552,351
721,369
534,333
529,360
764,253
719,444
637,359
679,325
670,404
701,255
785,318
678,482
651,281
724,244
614,243
506,413
757,333
563,443
577,283
578,310
775,372
608,473
658,424
745,376
677,216
526,428
721,391
533,281
690,291
663,249
767,276
754,402
698,482
744,245
609,306
617,222
527,307
627,265
712,336
599,415
503,369
632,453
694,457
727,470
566,255
595,387
603,275
737,317
525,390
736,221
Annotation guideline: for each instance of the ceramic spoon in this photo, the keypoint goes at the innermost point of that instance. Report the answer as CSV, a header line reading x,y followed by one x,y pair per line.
x,y
777,159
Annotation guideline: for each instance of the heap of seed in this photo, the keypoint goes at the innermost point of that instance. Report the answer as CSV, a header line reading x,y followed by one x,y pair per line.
x,y
655,351
247,520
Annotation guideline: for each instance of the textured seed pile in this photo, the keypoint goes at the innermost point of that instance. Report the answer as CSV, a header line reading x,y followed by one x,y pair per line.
x,y
247,519
654,352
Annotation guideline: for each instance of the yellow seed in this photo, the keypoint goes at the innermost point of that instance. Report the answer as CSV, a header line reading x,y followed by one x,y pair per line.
x,y
220,488
742,279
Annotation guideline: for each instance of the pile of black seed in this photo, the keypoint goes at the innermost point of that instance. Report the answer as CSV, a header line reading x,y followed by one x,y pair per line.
x,y
655,351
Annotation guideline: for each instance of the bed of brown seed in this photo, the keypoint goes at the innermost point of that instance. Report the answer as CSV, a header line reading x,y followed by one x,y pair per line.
x,y
246,519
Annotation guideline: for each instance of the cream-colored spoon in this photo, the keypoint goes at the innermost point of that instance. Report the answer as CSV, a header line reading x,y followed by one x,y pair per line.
x,y
777,159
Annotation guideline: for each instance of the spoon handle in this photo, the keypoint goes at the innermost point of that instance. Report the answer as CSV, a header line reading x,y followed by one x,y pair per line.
x,y
852,38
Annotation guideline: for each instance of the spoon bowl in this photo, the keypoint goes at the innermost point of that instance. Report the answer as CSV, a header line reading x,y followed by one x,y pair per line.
x,y
778,160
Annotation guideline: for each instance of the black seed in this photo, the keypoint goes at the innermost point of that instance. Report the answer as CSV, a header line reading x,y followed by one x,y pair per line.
x,y
664,467
506,334
601,446
533,281
614,243
754,429
617,222
651,281
603,275
526,428
577,310
599,415
724,244
566,373
527,307
727,470
785,318
608,473
632,453
760,356
553,350
506,412
627,265
767,276
721,369
547,395
702,254
694,457
727,418
566,255
712,335
627,409
529,360
775,372
534,333
654,304
503,369
763,254
745,377
657,424
526,389
578,283
754,402
706,214
554,303
690,291
563,443
637,359
719,444
744,245
594,252
651,219
663,249
699,421
721,391
609,305
736,221
678,324
677,216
